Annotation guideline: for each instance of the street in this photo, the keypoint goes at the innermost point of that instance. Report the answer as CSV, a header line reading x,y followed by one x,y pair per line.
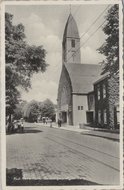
x,y
48,153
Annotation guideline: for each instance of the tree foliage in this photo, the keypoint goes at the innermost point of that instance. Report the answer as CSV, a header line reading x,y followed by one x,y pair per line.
x,y
21,60
110,48
47,109
19,110
35,109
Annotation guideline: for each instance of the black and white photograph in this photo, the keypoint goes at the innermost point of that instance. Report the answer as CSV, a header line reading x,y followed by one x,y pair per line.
x,y
62,107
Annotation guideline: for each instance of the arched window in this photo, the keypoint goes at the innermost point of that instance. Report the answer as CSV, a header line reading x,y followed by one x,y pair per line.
x,y
64,96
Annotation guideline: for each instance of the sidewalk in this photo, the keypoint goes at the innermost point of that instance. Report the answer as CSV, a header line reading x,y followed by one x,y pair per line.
x,y
89,131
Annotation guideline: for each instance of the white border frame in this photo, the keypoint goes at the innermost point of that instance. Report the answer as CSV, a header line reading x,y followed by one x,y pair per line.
x,y
3,136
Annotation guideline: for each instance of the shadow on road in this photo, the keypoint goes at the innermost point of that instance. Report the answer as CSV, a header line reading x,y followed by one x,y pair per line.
x,y
14,177
26,130
32,130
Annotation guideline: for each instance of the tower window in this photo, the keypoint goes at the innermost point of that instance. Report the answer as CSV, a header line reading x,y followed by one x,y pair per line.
x,y
73,43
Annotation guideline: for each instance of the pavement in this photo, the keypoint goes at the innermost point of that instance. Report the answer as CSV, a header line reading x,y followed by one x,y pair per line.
x,y
89,131
42,154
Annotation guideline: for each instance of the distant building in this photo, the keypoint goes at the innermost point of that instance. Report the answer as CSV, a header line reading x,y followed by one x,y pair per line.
x,y
80,84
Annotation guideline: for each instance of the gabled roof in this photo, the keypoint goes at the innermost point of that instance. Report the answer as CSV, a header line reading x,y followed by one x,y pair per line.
x,y
83,76
101,78
71,30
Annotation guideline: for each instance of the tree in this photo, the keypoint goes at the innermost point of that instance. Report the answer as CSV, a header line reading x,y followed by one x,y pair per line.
x,y
47,109
19,110
22,61
34,112
35,109
31,111
110,48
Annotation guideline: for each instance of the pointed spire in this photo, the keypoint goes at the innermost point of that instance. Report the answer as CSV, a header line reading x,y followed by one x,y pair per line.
x,y
70,8
71,29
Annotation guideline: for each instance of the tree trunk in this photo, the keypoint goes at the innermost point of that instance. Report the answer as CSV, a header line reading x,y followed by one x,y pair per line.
x,y
10,118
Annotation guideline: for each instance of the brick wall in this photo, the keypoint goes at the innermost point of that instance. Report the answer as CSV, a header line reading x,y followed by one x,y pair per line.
x,y
113,91
101,103
108,103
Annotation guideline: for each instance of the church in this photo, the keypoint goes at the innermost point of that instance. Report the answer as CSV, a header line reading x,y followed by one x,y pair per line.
x,y
77,91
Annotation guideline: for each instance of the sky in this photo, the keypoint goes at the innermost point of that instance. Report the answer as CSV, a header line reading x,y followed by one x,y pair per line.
x,y
44,25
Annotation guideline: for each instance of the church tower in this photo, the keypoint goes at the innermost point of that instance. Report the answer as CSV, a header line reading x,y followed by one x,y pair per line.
x,y
71,42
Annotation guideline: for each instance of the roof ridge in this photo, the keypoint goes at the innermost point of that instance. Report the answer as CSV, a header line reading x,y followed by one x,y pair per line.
x,y
82,64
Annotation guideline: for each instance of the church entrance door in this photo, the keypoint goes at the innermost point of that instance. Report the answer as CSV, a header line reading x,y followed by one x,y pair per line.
x,y
64,117
89,116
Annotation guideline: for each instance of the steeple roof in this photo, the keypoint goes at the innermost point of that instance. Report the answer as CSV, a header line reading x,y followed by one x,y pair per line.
x,y
71,30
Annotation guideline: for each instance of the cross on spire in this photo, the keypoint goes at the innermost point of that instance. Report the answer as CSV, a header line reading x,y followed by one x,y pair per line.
x,y
70,8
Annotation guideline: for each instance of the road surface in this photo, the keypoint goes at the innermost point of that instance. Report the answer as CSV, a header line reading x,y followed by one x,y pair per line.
x,y
48,153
